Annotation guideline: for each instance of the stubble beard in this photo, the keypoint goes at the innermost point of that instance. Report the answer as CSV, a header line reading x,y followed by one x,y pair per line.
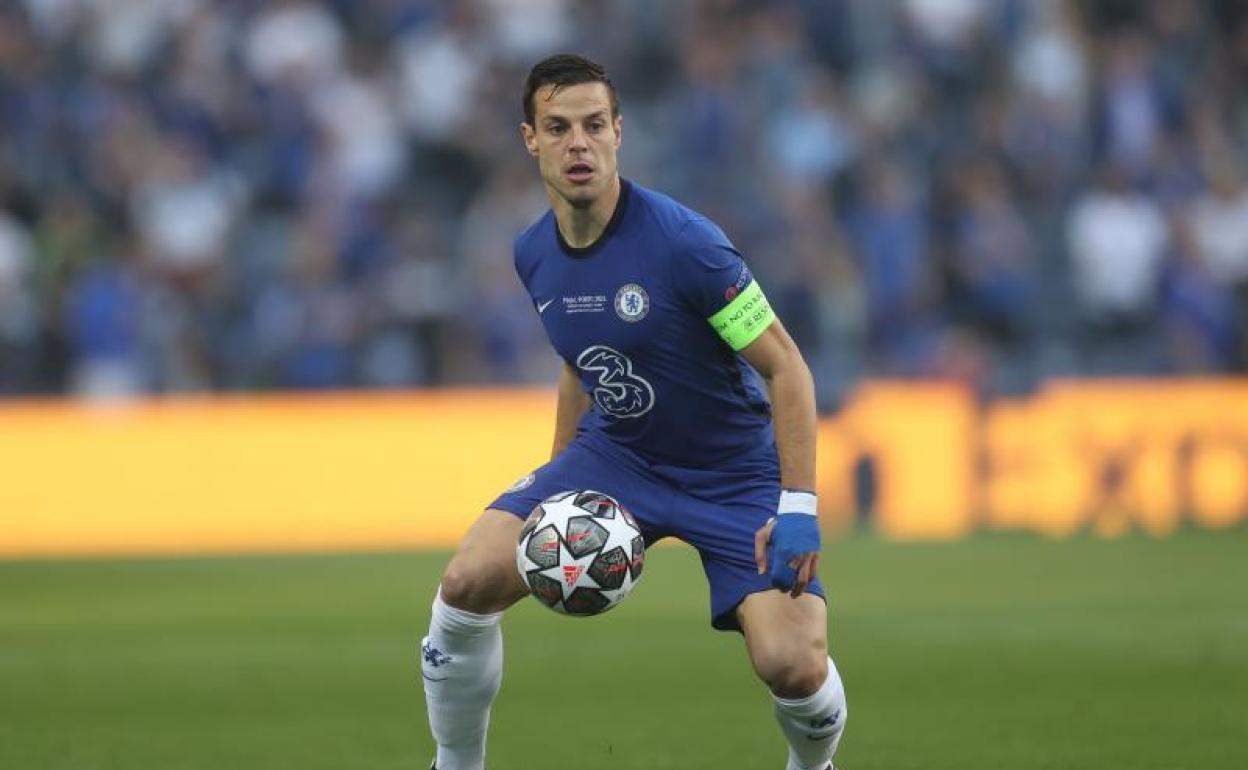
x,y
579,197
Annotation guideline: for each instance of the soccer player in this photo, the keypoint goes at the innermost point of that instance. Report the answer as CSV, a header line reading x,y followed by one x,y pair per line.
x,y
681,395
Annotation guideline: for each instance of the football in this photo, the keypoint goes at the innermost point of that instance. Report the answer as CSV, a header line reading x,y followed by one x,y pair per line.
x,y
580,552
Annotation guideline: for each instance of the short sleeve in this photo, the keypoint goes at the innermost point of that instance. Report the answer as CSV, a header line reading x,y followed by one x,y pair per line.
x,y
523,264
711,277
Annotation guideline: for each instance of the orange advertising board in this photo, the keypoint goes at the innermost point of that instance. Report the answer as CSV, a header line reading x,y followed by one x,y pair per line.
x,y
413,470
265,474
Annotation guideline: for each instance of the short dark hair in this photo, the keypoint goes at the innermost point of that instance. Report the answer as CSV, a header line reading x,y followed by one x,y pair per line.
x,y
565,69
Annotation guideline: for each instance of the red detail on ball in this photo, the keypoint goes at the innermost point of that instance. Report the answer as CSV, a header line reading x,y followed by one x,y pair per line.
x,y
730,293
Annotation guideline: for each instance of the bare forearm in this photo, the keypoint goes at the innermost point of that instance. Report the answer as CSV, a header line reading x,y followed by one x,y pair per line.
x,y
565,429
792,391
573,404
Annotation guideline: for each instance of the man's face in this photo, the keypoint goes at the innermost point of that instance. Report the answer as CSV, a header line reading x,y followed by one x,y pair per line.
x,y
574,140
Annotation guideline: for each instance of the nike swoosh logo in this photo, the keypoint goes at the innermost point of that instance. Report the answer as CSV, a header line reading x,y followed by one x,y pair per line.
x,y
541,306
820,737
434,678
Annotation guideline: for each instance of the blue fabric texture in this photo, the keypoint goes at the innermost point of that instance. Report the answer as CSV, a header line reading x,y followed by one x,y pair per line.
x,y
794,535
715,510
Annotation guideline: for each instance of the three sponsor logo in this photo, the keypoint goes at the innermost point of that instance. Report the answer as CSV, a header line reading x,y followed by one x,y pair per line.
x,y
619,392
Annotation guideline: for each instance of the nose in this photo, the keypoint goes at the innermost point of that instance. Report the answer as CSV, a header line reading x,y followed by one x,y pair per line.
x,y
578,140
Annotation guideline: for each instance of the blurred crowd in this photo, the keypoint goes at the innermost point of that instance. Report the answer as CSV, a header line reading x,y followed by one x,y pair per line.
x,y
248,194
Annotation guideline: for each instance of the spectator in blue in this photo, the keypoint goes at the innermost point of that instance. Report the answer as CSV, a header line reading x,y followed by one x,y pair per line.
x,y
888,230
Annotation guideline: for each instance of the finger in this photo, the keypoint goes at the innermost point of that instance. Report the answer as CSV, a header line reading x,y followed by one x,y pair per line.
x,y
803,567
798,565
809,572
760,546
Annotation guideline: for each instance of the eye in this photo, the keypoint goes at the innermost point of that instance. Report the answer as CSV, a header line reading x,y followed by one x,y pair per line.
x,y
555,128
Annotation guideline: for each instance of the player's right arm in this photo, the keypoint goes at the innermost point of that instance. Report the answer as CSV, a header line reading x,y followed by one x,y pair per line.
x,y
573,404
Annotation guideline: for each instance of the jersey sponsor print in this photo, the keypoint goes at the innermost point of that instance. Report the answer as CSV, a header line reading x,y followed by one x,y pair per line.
x,y
653,316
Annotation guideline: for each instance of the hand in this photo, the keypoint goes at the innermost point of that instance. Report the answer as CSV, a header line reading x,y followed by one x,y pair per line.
x,y
788,546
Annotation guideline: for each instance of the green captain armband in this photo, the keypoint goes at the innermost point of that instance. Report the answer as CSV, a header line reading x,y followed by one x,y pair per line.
x,y
744,319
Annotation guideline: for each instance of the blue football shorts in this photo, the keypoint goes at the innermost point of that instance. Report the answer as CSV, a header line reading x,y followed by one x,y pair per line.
x,y
717,511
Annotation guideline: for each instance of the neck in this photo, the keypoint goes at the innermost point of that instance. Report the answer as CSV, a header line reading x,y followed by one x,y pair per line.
x,y
582,225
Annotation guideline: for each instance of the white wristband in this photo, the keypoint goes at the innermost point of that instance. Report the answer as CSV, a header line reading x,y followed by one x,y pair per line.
x,y
798,502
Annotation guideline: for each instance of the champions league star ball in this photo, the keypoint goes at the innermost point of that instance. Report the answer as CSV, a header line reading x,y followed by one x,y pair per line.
x,y
580,552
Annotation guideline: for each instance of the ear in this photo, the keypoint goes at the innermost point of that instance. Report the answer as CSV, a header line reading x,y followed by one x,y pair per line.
x,y
618,125
529,135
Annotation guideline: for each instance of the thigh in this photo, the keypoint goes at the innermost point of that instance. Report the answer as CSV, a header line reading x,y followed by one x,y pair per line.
x,y
787,639
774,620
482,575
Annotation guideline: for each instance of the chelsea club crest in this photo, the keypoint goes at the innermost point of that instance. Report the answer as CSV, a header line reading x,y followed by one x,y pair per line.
x,y
631,302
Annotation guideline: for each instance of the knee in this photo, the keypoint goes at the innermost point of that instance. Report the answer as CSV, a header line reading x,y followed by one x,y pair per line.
x,y
793,672
481,588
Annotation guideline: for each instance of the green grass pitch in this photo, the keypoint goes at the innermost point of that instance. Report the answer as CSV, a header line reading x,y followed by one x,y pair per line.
x,y
995,653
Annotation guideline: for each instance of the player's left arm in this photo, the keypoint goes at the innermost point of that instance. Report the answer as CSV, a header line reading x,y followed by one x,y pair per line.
x,y
708,271
793,536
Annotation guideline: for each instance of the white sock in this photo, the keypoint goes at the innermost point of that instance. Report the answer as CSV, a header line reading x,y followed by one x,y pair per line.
x,y
813,725
461,661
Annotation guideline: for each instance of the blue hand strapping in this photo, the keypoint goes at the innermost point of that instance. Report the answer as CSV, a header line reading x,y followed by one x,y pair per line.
x,y
794,535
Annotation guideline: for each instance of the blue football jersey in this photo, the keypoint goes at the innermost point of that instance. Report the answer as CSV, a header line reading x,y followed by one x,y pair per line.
x,y
651,316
